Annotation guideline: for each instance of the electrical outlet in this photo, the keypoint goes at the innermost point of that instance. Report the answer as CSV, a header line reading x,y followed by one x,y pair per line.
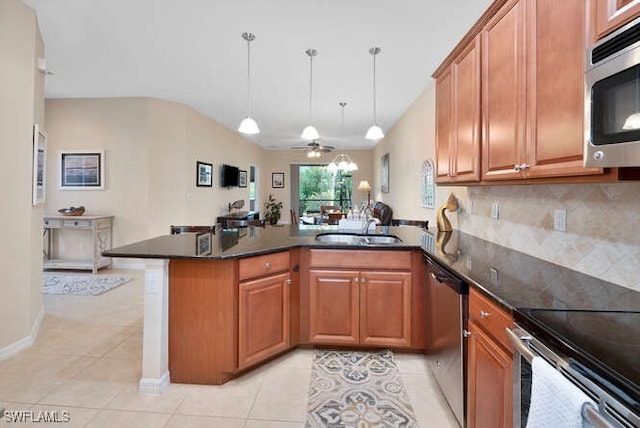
x,y
470,207
469,264
560,220
495,210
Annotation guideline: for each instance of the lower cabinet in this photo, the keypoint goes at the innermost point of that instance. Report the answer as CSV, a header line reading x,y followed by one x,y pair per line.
x,y
360,307
263,323
489,365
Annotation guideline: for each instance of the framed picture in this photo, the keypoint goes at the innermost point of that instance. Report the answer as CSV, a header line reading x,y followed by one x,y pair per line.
x,y
277,180
384,173
428,184
242,178
39,164
204,174
203,244
81,169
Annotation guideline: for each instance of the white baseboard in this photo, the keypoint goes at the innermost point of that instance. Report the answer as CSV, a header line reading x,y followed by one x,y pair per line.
x,y
25,342
154,386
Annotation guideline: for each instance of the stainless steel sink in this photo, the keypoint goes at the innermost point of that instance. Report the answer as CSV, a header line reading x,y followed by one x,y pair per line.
x,y
354,239
381,240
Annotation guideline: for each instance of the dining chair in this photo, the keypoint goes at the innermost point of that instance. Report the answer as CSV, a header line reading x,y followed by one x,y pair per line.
x,y
176,230
294,216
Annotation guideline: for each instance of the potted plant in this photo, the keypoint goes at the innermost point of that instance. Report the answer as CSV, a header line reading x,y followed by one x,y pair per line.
x,y
272,210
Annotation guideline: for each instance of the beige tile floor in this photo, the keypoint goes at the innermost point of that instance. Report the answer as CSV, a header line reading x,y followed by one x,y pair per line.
x,y
87,357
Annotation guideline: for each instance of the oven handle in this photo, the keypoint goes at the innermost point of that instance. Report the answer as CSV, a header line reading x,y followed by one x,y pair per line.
x,y
516,341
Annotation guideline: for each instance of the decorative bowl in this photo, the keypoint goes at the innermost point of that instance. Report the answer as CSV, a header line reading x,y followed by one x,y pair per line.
x,y
72,211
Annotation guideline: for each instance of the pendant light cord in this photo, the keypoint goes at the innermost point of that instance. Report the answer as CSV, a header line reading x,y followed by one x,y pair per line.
x,y
375,121
249,78
310,85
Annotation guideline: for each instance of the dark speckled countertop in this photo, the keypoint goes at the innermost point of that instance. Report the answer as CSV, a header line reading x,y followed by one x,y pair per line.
x,y
544,298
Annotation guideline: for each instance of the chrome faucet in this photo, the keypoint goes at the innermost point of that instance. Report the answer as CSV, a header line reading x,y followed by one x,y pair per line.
x,y
365,224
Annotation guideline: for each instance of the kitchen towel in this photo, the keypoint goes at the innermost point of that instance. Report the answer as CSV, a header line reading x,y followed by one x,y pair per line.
x,y
555,401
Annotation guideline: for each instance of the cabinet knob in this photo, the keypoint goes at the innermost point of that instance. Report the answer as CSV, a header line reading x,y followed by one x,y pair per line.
x,y
517,167
466,333
525,166
288,282
356,279
363,280
484,314
267,265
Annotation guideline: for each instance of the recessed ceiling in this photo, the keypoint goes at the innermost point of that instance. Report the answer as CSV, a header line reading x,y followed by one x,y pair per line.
x,y
191,51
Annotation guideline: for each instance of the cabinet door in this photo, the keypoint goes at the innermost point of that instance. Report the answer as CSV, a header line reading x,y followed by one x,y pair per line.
x,y
490,382
612,14
263,318
466,114
503,93
555,81
385,308
333,307
444,126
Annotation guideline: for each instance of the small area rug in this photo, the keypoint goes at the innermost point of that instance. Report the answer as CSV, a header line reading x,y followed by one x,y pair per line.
x,y
357,389
80,285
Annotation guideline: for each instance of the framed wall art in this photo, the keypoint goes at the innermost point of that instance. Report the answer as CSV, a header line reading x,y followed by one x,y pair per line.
x,y
277,180
82,169
204,174
242,178
384,173
427,183
39,164
203,244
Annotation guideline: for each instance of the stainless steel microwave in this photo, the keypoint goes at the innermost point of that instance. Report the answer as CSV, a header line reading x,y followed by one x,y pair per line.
x,y
612,107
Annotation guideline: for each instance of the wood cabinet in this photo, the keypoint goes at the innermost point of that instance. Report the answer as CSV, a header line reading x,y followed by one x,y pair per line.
x,y
489,365
351,302
458,118
533,90
263,307
613,14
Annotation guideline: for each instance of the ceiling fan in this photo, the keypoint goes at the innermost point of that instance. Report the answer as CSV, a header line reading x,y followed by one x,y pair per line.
x,y
314,149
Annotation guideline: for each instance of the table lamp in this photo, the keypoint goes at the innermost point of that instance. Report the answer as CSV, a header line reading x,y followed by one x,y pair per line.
x,y
364,185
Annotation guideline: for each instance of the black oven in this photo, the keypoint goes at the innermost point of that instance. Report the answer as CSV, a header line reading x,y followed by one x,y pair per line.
x,y
612,112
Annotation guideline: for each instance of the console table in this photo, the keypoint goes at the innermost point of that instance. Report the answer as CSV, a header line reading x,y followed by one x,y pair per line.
x,y
100,228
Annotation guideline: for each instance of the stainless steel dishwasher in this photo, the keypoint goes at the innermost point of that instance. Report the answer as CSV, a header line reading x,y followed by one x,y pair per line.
x,y
447,308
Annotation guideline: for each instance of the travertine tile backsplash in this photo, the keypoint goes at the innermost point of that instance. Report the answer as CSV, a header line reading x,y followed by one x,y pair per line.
x,y
603,225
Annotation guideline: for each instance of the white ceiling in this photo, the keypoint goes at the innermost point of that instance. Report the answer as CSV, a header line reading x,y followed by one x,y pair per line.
x,y
191,51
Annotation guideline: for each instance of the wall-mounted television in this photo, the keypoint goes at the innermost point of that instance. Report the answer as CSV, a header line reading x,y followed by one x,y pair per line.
x,y
229,175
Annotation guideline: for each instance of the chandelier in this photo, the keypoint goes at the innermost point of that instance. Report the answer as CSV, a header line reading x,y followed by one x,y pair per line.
x,y
342,162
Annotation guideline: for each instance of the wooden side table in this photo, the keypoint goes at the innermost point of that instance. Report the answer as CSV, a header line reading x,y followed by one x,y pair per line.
x,y
101,230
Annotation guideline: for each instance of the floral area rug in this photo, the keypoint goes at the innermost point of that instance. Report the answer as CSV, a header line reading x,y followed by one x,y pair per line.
x,y
357,389
80,285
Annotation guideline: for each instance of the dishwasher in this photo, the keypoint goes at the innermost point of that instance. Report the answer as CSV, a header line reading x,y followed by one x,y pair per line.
x,y
446,306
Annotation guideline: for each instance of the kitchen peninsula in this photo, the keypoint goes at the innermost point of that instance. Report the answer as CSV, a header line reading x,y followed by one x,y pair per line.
x,y
304,273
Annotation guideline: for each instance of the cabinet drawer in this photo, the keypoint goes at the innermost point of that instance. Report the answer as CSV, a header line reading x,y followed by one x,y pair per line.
x,y
262,265
489,316
360,259
52,223
78,223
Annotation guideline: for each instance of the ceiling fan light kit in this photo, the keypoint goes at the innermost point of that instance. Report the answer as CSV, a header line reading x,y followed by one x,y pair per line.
x,y
375,132
248,125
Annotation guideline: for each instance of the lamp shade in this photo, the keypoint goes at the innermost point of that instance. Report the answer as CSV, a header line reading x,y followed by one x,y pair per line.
x,y
364,185
310,133
248,126
374,133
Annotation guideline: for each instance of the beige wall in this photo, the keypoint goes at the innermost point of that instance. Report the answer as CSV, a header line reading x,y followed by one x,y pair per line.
x,y
281,161
21,105
151,148
602,239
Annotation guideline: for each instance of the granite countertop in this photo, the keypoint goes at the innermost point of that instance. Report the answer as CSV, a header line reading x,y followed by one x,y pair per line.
x,y
522,284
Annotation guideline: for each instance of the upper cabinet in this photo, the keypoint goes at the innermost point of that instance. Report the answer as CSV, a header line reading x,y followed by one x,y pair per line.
x,y
612,14
458,118
533,90
525,60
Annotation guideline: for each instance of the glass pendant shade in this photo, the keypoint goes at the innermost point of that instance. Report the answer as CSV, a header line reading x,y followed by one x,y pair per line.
x,y
632,122
310,133
248,126
374,133
342,162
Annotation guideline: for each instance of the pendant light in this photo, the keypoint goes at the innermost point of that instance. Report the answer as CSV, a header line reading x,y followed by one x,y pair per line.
x,y
248,125
342,162
374,132
310,133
